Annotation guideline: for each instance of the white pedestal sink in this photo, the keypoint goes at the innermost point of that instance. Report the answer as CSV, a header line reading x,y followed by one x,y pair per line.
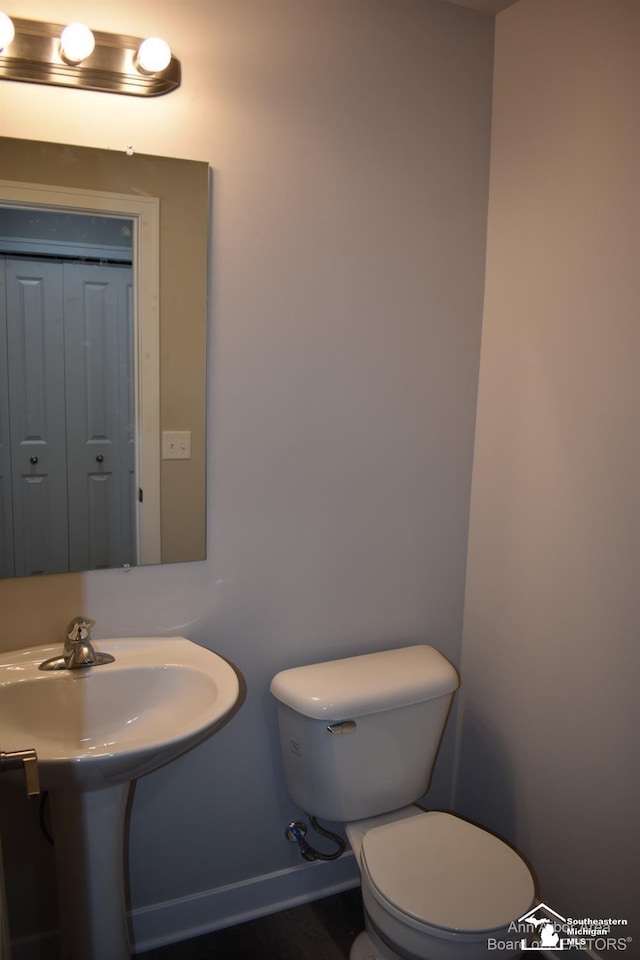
x,y
95,729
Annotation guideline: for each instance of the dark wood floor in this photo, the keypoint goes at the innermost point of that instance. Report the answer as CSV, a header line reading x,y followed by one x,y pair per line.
x,y
322,930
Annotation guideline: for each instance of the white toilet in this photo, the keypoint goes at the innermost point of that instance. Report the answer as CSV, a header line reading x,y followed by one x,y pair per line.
x,y
359,740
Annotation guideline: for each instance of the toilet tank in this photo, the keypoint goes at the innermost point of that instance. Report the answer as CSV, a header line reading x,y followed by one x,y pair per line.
x,y
359,736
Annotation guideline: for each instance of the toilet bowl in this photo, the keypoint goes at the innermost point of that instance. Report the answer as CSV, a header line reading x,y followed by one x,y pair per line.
x,y
359,739
436,887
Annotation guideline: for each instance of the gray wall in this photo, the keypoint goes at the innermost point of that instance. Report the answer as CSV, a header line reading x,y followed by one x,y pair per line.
x,y
548,751
349,145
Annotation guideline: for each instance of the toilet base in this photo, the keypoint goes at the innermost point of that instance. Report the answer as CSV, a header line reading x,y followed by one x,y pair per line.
x,y
367,946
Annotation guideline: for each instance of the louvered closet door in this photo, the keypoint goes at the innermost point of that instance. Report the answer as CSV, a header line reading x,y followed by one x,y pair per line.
x,y
100,428
35,349
127,415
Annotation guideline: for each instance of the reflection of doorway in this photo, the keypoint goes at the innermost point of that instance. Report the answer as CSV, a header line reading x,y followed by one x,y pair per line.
x,y
69,409
141,214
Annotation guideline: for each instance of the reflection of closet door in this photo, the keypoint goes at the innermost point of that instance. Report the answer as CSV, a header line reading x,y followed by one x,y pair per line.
x,y
6,518
128,488
35,341
100,428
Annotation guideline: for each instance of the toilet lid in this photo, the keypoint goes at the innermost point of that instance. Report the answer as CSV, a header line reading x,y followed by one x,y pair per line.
x,y
445,872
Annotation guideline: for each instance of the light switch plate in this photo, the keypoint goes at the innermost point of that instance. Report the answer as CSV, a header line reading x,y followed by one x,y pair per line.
x,y
176,445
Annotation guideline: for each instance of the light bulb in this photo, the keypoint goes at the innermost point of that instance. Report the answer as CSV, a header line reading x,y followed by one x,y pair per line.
x,y
76,42
7,31
154,55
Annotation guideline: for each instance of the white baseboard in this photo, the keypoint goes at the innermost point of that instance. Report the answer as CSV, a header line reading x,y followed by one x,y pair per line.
x,y
186,917
238,902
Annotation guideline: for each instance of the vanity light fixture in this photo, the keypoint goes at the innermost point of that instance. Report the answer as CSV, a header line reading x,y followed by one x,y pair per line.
x,y
75,56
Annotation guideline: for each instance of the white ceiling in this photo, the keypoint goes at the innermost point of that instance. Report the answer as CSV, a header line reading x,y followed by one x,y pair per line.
x,y
485,6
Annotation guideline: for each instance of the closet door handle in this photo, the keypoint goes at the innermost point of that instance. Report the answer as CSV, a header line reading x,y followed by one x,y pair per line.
x,y
33,460
99,458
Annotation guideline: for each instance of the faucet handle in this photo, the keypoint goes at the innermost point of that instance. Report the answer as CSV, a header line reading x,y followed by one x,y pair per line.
x,y
79,629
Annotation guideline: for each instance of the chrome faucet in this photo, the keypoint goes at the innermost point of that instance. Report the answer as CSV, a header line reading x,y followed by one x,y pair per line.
x,y
78,649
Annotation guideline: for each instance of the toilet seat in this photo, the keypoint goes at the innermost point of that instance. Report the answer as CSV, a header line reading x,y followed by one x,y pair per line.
x,y
444,876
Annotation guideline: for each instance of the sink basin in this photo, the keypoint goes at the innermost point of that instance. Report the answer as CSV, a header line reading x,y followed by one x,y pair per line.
x,y
100,726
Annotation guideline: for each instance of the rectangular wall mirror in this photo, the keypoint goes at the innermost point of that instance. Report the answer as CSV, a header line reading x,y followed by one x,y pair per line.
x,y
103,319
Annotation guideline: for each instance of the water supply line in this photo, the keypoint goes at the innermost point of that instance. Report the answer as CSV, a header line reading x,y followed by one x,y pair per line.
x,y
296,832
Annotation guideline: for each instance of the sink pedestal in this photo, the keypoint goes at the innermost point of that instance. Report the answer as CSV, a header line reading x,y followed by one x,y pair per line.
x,y
88,830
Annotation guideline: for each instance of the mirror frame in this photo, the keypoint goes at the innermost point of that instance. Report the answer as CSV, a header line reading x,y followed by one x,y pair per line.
x,y
177,294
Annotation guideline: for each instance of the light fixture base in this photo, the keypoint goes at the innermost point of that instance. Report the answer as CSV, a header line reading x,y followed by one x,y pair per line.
x,y
34,56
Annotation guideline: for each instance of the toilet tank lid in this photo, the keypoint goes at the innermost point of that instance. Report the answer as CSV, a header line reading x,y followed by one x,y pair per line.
x,y
370,683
